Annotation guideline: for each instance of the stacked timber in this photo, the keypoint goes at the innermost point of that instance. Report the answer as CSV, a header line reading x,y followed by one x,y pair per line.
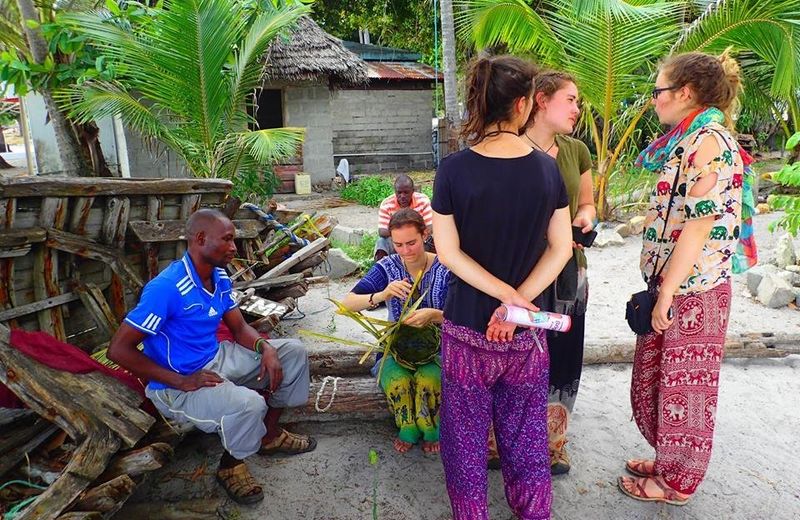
x,y
74,256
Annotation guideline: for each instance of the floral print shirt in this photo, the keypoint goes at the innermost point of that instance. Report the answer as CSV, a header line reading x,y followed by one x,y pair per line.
x,y
724,201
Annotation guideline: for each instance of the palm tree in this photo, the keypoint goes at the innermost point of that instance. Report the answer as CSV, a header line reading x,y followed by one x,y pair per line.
x,y
20,32
612,47
449,63
186,78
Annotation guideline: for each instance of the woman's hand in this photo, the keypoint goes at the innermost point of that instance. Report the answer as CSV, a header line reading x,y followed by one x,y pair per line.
x,y
662,313
503,331
397,289
586,224
422,317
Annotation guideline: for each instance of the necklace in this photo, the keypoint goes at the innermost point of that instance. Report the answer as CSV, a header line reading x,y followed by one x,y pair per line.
x,y
539,147
498,132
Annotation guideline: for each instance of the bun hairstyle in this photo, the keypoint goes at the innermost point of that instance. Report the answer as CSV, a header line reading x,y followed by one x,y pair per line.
x,y
494,83
715,80
548,82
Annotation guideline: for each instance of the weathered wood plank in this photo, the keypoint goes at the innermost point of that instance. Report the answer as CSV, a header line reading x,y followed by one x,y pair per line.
x,y
45,276
83,187
307,251
30,308
22,237
138,462
310,262
81,208
151,250
175,230
8,297
189,204
26,440
71,243
108,496
106,324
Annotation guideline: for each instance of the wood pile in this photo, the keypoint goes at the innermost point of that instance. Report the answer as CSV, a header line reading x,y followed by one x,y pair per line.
x,y
74,255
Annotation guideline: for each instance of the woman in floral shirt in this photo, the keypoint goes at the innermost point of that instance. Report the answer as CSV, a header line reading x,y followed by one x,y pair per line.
x,y
687,254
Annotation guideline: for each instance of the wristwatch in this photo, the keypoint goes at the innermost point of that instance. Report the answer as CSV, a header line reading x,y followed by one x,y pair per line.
x,y
372,304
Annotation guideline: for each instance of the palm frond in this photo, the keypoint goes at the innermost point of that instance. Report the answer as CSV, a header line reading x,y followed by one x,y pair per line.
x,y
513,23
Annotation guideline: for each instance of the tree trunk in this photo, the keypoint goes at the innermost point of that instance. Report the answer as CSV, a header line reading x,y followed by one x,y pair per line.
x,y
3,148
449,64
69,148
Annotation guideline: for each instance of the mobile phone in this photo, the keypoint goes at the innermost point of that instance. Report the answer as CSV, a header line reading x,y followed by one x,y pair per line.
x,y
584,239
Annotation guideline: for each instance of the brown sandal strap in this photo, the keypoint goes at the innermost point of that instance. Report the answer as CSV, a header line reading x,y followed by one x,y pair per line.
x,y
239,481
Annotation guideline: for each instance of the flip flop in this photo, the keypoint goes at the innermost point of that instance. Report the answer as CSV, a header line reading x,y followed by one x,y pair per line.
x,y
670,496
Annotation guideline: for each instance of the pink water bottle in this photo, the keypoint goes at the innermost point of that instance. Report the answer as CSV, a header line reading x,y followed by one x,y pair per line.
x,y
538,319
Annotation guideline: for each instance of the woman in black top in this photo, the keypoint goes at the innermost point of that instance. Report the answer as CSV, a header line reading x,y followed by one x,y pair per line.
x,y
502,226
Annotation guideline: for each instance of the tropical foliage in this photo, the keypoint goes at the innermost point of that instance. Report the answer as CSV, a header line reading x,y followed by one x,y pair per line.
x,y
612,47
787,197
184,79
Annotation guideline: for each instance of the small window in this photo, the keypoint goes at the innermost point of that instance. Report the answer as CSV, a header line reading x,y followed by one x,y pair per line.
x,y
270,109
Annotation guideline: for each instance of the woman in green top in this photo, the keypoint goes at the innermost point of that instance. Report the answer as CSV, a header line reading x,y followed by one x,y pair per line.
x,y
553,117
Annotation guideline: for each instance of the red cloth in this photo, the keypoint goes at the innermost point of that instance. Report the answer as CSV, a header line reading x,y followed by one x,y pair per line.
x,y
55,354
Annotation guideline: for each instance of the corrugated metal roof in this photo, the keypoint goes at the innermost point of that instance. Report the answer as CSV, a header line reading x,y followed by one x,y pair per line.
x,y
401,71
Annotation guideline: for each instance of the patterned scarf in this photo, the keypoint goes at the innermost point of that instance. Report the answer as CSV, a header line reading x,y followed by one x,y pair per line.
x,y
655,156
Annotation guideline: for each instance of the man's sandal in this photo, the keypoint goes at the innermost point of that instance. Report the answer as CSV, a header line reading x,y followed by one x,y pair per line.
x,y
639,467
240,484
669,495
289,443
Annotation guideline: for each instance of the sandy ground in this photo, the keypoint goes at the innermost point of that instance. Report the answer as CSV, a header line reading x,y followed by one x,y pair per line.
x,y
753,475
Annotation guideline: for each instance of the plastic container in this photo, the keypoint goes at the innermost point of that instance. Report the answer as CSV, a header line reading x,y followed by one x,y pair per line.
x,y
540,319
302,183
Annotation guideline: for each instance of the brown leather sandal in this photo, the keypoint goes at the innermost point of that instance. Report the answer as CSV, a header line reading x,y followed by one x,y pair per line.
x,y
638,467
240,484
289,443
669,495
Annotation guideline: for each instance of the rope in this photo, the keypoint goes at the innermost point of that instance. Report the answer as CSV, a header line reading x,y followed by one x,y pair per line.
x,y
335,380
14,511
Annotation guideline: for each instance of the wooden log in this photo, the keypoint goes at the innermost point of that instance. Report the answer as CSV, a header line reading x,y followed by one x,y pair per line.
x,y
326,359
317,279
307,251
354,398
310,262
81,515
175,230
106,322
756,345
69,400
30,308
150,250
45,273
107,497
85,187
197,509
138,462
22,441
270,283
95,410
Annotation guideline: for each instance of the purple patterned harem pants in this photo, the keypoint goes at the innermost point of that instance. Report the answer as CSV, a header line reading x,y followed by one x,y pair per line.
x,y
485,381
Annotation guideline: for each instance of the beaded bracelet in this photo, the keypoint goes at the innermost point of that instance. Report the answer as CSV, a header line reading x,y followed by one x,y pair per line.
x,y
256,348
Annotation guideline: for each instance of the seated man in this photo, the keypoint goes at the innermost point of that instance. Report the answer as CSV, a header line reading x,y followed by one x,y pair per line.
x,y
217,387
404,197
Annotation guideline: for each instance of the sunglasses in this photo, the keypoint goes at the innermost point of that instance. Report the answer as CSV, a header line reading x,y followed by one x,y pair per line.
x,y
657,91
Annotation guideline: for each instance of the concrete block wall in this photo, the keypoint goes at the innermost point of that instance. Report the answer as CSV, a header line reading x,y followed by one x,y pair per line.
x,y
385,124
309,106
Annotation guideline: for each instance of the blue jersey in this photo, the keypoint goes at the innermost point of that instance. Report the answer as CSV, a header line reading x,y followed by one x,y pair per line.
x,y
181,317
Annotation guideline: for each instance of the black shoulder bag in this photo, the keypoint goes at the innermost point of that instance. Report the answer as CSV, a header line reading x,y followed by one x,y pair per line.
x,y
639,309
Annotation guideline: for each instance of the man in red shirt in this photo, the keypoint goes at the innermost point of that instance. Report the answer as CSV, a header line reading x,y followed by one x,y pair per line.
x,y
404,197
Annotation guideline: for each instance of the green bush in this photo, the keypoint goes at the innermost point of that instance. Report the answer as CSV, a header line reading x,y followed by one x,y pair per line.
x,y
361,253
369,191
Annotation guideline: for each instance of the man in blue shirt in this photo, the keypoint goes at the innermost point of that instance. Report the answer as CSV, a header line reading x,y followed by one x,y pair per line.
x,y
214,385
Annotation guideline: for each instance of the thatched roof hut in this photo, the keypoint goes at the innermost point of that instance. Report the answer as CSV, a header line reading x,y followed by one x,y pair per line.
x,y
311,54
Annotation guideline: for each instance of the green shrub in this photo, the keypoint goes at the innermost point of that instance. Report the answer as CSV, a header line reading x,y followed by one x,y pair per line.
x,y
369,191
361,253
